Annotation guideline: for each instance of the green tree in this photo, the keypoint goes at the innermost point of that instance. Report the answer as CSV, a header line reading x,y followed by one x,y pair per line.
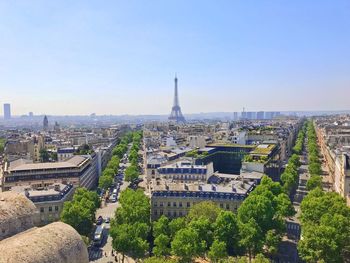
x,y
284,207
161,226
159,260
2,145
325,221
260,209
44,155
186,244
114,164
84,149
108,172
193,154
272,240
82,193
217,251
162,245
204,229
314,182
315,168
78,216
226,230
130,239
134,208
207,210
131,173
105,182
260,258
251,237
175,225
295,160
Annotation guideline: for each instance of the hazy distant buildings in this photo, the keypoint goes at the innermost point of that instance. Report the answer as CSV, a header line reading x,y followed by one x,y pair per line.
x,y
46,123
251,115
7,111
31,114
260,115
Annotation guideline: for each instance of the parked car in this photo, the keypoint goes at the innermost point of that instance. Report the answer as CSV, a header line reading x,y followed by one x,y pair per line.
x,y
114,198
99,220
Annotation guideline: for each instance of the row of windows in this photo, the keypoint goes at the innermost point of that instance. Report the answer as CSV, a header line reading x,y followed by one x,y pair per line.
x,y
182,170
188,204
42,209
169,213
185,177
293,226
174,204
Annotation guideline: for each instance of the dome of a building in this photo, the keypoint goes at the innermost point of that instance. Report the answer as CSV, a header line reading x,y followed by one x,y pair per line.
x,y
54,243
17,214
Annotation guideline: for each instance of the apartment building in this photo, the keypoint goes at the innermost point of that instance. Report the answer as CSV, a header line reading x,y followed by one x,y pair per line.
x,y
186,171
333,135
175,199
48,201
78,170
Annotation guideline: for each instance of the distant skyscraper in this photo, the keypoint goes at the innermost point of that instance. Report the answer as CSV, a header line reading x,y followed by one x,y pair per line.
x,y
269,115
7,111
56,127
46,123
243,114
235,116
250,115
31,114
260,115
176,114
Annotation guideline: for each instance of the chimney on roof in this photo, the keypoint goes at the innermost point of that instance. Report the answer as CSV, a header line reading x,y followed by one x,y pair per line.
x,y
234,188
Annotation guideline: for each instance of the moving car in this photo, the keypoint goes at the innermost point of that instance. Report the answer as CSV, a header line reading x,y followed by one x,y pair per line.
x,y
99,235
99,220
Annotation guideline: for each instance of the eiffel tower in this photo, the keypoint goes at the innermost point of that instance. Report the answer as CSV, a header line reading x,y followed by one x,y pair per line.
x,y
176,114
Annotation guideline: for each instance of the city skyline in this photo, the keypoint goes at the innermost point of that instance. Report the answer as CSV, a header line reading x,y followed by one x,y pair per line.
x,y
120,58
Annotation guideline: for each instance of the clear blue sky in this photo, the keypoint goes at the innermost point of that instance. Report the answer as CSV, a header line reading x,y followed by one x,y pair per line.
x,y
117,57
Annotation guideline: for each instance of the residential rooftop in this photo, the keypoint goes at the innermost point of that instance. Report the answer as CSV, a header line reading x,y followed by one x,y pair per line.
x,y
25,165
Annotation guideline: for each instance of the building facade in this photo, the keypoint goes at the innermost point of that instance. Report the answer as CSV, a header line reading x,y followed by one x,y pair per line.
x,y
186,172
175,200
78,170
48,201
7,111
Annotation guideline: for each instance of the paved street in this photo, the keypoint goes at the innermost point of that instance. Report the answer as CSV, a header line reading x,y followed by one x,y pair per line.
x,y
99,254
103,254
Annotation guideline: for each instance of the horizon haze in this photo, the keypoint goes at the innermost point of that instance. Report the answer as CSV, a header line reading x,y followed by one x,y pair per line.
x,y
120,57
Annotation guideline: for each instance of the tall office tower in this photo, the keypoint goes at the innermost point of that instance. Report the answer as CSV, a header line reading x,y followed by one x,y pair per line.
x,y
250,115
260,115
243,114
31,114
176,114
7,111
235,116
270,115
46,123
